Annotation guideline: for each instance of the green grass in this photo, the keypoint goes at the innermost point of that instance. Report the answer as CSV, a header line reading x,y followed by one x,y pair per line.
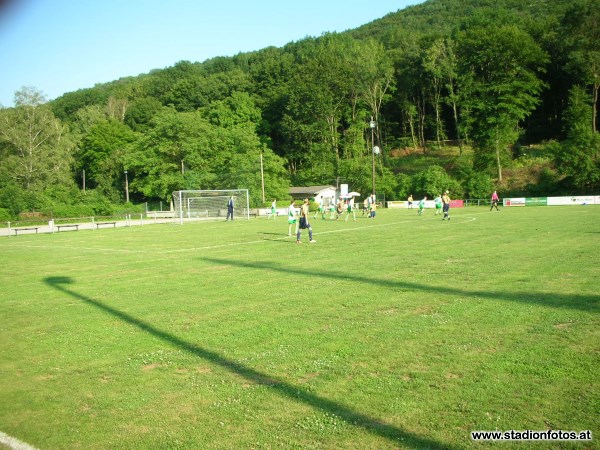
x,y
398,332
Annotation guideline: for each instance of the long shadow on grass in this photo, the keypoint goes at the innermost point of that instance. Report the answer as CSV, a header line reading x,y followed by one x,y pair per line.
x,y
589,303
296,393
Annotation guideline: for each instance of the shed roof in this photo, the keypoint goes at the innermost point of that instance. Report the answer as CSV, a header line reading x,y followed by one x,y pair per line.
x,y
309,190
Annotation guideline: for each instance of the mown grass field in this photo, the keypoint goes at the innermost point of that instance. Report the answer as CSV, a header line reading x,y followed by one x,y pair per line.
x,y
398,332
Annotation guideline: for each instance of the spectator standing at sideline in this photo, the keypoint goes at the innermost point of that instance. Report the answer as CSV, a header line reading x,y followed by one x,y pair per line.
x,y
494,201
446,207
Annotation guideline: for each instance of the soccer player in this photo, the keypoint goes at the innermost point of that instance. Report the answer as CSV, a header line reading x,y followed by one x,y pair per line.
x,y
273,209
494,201
229,209
350,209
320,209
438,204
292,218
422,206
410,201
332,207
446,205
339,209
304,223
372,207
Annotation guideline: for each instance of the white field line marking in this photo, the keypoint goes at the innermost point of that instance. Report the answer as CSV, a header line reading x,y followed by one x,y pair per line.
x,y
233,244
283,238
13,443
93,249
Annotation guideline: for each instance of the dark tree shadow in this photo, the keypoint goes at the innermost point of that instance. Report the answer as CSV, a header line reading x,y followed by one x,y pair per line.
x,y
589,303
349,415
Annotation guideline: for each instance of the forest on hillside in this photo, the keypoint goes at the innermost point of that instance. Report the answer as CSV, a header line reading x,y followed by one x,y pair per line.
x,y
480,90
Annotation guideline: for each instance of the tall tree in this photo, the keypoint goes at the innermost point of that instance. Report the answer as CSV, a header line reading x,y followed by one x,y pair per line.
x,y
212,148
175,153
101,155
36,151
317,101
243,169
375,72
238,120
500,86
410,82
337,84
581,37
433,60
578,157
443,65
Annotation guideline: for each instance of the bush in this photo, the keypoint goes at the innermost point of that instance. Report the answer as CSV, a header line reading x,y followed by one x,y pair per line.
x,y
433,181
68,211
130,208
5,215
546,184
12,199
478,185
403,186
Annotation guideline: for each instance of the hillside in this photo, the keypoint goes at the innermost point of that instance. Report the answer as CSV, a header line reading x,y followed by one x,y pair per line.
x,y
442,17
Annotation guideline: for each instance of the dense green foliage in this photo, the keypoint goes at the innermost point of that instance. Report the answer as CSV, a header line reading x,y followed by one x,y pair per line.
x,y
498,80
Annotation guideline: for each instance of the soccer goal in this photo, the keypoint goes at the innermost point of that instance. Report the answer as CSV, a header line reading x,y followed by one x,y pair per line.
x,y
210,204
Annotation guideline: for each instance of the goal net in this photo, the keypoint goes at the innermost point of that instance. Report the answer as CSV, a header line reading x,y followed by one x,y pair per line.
x,y
210,203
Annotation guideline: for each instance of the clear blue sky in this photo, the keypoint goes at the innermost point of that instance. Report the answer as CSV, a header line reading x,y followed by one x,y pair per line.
x,y
60,46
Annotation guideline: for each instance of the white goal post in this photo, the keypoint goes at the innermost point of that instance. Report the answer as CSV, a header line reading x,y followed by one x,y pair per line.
x,y
210,203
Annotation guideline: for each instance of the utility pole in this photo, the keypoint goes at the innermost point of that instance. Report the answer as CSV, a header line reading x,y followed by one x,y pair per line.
x,y
374,148
126,188
262,178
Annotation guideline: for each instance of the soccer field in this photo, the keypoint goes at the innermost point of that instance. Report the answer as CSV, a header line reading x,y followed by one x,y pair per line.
x,y
402,331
